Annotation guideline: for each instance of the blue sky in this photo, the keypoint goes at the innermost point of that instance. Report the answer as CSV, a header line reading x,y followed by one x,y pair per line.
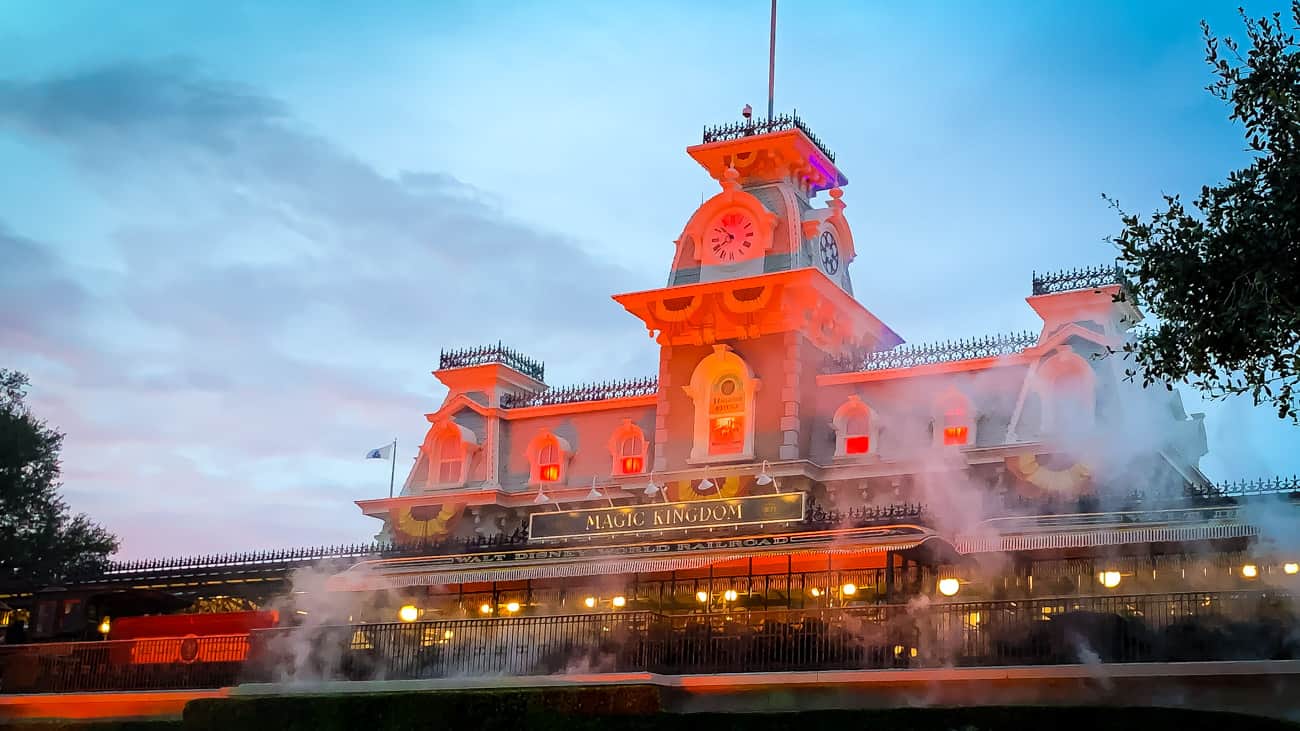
x,y
234,236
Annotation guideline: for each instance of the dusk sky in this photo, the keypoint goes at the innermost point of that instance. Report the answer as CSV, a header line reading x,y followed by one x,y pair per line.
x,y
235,235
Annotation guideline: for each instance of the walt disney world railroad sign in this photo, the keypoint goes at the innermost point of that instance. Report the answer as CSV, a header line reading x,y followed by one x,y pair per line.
x,y
623,520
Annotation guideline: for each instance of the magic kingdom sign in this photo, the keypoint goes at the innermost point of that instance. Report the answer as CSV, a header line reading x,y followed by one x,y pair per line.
x,y
655,518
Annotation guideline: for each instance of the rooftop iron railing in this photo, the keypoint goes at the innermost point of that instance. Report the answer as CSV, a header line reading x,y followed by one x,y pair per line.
x,y
1174,627
273,557
751,127
465,357
583,392
1068,280
1246,488
948,351
817,517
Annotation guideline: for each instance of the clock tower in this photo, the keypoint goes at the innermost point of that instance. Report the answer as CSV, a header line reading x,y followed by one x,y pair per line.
x,y
758,297
772,253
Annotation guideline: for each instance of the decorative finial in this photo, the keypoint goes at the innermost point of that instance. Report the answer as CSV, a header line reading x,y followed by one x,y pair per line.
x,y
731,178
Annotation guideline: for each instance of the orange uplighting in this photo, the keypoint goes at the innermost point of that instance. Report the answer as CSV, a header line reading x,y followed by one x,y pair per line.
x,y
955,435
857,445
632,465
549,472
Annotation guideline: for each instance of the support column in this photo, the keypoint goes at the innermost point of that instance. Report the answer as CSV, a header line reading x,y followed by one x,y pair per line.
x,y
791,371
660,463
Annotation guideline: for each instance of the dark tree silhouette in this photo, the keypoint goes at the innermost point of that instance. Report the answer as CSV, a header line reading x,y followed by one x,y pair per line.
x,y
1222,277
40,541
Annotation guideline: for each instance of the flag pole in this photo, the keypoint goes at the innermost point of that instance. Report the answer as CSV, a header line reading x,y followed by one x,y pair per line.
x,y
771,64
392,473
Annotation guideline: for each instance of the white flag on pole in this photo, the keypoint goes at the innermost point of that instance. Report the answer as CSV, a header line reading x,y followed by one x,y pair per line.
x,y
384,452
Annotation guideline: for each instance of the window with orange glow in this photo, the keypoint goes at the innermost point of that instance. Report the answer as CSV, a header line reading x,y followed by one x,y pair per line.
x,y
857,438
955,429
548,463
630,450
954,435
727,416
857,445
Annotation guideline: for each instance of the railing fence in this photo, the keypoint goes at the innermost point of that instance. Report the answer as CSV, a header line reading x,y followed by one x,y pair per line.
x,y
1067,630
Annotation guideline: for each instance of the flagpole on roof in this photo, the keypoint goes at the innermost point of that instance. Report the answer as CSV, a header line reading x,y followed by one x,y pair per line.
x,y
392,473
771,64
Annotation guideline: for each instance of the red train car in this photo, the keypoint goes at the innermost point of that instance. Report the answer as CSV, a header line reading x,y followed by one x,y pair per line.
x,y
187,638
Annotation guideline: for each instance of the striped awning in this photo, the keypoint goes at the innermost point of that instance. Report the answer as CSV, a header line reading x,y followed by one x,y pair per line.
x,y
1106,537
376,575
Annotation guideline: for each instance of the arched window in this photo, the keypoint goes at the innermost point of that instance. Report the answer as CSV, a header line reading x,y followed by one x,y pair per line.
x,y
445,454
727,415
627,448
853,428
857,433
548,463
548,458
451,458
1067,387
954,420
723,389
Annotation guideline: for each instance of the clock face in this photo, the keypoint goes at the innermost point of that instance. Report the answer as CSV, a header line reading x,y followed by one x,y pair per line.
x,y
829,250
731,237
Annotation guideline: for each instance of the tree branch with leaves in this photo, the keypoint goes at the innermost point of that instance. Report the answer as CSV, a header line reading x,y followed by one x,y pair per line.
x,y
41,542
1221,278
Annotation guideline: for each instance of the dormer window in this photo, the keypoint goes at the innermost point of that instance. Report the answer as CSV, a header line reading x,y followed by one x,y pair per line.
x,y
451,459
723,389
854,428
548,457
548,463
446,454
955,430
954,420
1067,387
857,437
627,448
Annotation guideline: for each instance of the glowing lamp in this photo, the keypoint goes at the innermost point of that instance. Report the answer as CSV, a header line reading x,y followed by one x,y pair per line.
x,y
857,445
729,595
953,435
448,634
485,609
619,601
949,586
849,589
632,465
1250,571
104,626
549,472
814,592
590,602
1110,579
512,607
408,613
706,484
1291,568
702,597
